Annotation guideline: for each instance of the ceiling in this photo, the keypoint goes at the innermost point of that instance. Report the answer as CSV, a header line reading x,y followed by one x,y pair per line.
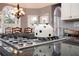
x,y
32,5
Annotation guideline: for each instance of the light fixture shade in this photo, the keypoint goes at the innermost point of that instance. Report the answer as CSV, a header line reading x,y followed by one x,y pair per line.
x,y
21,9
22,12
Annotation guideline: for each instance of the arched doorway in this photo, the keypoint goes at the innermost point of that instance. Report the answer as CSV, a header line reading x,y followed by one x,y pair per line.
x,y
8,19
57,22
57,30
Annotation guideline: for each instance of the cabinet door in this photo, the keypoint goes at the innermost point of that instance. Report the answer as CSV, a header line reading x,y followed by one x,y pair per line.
x,y
65,50
75,50
75,10
65,11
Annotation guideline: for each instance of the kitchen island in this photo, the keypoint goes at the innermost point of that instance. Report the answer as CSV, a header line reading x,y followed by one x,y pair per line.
x,y
31,47
70,48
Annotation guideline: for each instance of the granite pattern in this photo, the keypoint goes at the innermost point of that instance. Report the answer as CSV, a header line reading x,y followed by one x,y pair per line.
x,y
45,50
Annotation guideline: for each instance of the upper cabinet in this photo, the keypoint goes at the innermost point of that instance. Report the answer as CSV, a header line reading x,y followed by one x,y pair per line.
x,y
75,10
69,11
65,11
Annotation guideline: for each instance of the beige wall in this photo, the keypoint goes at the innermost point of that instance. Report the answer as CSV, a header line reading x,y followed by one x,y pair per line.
x,y
46,10
2,5
3,26
24,19
39,12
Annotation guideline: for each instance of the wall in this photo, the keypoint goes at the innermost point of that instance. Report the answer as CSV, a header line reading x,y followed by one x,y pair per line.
x,y
48,10
39,12
24,21
42,11
2,5
18,22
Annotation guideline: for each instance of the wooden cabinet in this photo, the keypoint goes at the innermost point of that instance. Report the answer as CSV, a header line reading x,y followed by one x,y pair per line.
x,y
69,50
70,11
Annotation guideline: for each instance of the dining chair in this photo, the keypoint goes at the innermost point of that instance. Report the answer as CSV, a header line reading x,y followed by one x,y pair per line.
x,y
8,30
28,30
17,30
28,33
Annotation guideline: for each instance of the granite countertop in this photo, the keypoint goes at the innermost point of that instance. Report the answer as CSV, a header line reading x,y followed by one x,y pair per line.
x,y
35,43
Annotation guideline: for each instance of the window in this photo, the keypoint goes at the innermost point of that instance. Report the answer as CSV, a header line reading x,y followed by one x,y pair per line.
x,y
7,15
32,20
44,18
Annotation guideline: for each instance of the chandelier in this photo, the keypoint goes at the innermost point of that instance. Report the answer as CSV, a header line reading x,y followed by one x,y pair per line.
x,y
18,12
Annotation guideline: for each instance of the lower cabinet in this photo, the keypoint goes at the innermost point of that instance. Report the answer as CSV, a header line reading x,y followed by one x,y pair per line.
x,y
75,50
65,49
69,50
44,50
